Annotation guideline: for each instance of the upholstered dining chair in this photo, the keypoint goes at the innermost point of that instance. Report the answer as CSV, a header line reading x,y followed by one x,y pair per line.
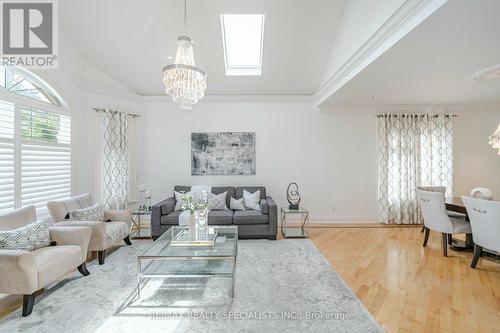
x,y
440,189
24,272
433,209
484,218
105,235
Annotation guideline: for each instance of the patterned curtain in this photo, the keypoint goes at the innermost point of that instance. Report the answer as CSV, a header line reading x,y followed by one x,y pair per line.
x,y
115,160
414,150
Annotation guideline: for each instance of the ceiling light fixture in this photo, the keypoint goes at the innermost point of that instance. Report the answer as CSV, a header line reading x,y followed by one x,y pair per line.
x,y
184,82
494,139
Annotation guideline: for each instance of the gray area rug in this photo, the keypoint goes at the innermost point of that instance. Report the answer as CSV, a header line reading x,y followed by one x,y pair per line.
x,y
281,286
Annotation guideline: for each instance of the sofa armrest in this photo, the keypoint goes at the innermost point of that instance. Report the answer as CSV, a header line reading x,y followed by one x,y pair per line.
x,y
72,236
18,272
119,215
264,206
98,239
273,215
164,207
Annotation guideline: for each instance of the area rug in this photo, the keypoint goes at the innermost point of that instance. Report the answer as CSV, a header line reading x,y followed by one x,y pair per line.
x,y
280,286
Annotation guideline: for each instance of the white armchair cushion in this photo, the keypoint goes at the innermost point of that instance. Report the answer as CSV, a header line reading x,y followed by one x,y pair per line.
x,y
92,213
31,237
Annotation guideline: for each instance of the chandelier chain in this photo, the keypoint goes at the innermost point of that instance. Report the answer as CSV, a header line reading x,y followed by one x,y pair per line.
x,y
185,17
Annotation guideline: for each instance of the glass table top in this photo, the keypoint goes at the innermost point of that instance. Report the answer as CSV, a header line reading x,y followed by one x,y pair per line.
x,y
225,244
301,210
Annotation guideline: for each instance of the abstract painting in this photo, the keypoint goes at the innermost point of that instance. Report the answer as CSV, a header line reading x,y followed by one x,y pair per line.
x,y
223,153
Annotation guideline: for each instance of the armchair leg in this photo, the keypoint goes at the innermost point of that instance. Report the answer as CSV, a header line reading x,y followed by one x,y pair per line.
x,y
445,244
423,228
28,302
101,256
426,235
478,251
450,239
83,269
127,240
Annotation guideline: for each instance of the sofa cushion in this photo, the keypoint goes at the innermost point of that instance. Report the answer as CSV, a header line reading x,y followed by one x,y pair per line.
x,y
220,217
18,218
172,218
251,189
59,209
231,192
250,217
30,237
92,213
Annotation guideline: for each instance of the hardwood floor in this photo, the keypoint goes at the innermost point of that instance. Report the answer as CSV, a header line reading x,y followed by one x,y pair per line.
x,y
409,288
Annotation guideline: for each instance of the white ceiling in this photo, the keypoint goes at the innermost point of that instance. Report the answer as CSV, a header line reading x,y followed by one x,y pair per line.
x,y
130,40
434,63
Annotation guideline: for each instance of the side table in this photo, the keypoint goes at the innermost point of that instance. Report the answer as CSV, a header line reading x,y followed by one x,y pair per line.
x,y
140,231
295,232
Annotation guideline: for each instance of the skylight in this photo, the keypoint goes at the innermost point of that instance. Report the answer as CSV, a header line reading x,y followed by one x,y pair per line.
x,y
242,36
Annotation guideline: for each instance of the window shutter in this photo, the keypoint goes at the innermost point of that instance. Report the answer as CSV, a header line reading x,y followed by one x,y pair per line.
x,y
46,157
6,157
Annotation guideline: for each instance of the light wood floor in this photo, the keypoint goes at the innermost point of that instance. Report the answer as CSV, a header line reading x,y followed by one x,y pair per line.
x,y
409,288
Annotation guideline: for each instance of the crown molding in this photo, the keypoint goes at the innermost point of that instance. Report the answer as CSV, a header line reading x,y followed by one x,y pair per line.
x,y
409,15
88,86
375,109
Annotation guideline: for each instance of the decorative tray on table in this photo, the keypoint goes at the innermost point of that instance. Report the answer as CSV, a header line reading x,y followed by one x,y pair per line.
x,y
194,237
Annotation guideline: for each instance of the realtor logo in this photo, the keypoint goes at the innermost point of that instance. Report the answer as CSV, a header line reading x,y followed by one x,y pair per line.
x,y
29,33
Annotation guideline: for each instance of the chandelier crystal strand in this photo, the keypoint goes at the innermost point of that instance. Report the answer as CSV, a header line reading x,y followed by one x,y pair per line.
x,y
184,82
494,139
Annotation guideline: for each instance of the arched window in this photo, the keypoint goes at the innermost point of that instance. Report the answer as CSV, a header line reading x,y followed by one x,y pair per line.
x,y
35,142
20,81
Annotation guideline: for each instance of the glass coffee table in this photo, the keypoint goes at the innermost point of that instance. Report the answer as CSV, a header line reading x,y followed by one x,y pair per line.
x,y
173,255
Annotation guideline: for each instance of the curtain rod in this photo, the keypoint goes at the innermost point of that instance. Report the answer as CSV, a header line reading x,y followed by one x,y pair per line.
x,y
114,111
415,114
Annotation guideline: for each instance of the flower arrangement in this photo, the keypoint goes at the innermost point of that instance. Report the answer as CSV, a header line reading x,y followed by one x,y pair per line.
x,y
189,204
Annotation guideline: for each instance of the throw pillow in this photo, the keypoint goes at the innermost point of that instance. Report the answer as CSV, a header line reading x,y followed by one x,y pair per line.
x,y
92,213
251,200
217,201
178,199
237,204
30,237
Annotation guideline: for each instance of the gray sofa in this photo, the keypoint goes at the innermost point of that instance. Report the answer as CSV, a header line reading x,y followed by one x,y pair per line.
x,y
251,223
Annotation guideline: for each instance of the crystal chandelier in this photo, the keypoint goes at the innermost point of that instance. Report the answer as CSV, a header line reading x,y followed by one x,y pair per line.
x,y
494,139
184,82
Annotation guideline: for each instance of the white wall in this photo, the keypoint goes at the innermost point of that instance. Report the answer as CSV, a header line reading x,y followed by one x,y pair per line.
x,y
476,163
331,156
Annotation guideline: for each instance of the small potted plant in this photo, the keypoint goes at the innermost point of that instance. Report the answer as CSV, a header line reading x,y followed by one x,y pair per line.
x,y
197,209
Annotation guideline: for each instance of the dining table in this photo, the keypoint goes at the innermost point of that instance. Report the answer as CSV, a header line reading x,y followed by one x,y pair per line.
x,y
456,205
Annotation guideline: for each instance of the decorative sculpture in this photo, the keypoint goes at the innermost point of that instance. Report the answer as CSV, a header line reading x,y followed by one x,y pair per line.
x,y
293,196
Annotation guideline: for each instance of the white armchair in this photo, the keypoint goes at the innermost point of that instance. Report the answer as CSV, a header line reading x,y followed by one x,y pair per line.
x,y
24,272
484,218
435,217
104,234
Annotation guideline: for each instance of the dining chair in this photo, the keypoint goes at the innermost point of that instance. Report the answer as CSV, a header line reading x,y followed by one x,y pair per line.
x,y
484,218
440,189
433,209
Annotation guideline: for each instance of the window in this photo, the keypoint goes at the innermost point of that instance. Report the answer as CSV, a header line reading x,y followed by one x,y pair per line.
x,y
242,37
35,143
